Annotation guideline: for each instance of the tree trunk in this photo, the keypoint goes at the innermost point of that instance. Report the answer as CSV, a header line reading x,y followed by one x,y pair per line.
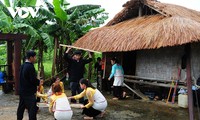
x,y
40,60
90,69
54,56
60,58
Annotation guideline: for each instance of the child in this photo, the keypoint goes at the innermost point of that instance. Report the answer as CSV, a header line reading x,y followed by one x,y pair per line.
x,y
59,104
40,90
55,80
40,93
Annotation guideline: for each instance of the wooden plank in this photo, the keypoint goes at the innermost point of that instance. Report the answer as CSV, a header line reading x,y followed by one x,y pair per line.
x,y
137,92
152,83
145,78
42,104
70,46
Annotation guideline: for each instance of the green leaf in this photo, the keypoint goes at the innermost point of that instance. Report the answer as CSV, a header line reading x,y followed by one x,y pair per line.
x,y
5,23
4,9
27,29
7,3
60,13
48,40
28,3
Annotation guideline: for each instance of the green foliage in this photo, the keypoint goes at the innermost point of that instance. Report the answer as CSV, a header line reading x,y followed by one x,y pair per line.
x,y
3,54
47,68
5,23
60,13
7,3
48,40
28,2
57,21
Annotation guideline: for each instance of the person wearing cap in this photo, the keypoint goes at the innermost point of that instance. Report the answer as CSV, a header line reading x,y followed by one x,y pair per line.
x,y
28,87
76,66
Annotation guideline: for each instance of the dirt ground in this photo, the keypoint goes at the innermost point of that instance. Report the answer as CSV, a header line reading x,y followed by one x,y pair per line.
x,y
128,109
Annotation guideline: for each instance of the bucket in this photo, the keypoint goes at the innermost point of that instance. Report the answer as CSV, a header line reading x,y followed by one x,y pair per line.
x,y
183,100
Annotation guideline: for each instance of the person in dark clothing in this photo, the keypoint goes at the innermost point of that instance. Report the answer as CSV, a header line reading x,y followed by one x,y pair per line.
x,y
98,71
76,66
28,87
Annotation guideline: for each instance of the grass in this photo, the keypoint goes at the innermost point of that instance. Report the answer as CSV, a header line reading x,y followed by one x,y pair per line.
x,y
3,56
47,68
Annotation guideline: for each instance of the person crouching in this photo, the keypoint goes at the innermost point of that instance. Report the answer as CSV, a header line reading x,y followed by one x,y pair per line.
x,y
59,104
95,104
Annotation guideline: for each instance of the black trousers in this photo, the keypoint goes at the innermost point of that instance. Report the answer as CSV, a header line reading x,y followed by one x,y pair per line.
x,y
117,92
196,97
29,103
75,88
91,112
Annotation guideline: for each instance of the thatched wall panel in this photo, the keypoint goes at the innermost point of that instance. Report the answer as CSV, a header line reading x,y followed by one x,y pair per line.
x,y
195,60
161,63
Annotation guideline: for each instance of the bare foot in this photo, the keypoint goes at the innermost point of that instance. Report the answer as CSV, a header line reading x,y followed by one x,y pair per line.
x,y
124,95
102,113
88,118
115,98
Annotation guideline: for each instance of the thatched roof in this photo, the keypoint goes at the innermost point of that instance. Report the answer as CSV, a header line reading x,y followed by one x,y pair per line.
x,y
160,25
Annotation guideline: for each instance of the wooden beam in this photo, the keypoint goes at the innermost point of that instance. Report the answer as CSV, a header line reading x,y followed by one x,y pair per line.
x,y
148,79
9,36
162,13
70,46
152,83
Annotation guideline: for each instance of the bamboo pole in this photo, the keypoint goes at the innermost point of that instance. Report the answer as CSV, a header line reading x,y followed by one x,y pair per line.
x,y
70,46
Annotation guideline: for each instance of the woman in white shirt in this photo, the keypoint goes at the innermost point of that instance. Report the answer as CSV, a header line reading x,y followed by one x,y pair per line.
x,y
95,104
59,104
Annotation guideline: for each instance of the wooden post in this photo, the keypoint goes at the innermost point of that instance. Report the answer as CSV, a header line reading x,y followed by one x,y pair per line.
x,y
189,82
140,10
17,64
9,58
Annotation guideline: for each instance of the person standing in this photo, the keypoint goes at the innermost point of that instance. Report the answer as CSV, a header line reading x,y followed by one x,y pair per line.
x,y
76,67
28,87
118,73
99,72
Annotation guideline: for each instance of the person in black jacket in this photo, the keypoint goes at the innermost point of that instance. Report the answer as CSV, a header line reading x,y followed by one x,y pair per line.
x,y
76,66
28,87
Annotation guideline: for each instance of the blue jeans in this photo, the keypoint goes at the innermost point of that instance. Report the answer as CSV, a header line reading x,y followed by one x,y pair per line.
x,y
29,103
75,88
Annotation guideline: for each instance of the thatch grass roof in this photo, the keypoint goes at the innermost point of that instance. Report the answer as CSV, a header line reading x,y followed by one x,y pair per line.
x,y
169,25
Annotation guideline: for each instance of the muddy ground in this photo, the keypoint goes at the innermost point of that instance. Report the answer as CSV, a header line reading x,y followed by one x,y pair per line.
x,y
129,109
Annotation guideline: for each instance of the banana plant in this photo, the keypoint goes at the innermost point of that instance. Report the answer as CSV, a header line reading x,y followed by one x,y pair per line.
x,y
33,27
